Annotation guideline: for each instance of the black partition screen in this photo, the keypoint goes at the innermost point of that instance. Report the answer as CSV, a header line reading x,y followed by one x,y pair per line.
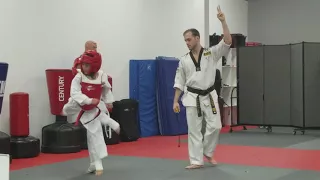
x,y
296,85
279,85
276,85
250,97
312,84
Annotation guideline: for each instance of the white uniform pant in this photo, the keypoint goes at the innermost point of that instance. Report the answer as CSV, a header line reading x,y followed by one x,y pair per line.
x,y
96,144
199,144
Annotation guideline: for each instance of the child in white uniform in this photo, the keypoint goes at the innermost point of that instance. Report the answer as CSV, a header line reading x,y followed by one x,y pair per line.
x,y
90,94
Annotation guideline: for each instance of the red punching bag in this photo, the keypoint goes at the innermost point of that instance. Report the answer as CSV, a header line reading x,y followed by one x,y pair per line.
x,y
19,114
58,82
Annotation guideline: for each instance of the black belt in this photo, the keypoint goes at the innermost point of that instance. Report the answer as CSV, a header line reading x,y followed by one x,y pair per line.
x,y
81,113
203,93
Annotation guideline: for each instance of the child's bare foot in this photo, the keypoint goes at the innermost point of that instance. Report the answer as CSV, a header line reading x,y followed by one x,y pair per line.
x,y
99,172
117,130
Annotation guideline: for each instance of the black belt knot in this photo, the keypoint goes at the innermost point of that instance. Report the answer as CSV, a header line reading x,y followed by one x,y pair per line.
x,y
200,92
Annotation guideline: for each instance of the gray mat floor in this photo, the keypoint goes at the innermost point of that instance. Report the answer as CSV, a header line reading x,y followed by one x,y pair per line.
x,y
132,168
279,137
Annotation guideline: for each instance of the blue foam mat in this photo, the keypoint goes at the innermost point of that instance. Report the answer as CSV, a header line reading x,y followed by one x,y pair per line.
x,y
142,87
169,122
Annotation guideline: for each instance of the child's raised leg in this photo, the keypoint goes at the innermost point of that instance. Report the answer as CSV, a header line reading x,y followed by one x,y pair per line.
x,y
107,120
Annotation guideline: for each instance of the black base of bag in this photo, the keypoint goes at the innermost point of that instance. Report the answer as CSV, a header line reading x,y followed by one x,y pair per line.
x,y
125,112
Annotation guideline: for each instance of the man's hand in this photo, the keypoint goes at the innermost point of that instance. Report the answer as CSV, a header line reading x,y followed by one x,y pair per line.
x,y
95,101
226,33
176,107
220,14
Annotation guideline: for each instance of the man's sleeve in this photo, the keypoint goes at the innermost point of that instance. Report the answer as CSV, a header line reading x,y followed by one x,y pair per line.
x,y
219,50
180,78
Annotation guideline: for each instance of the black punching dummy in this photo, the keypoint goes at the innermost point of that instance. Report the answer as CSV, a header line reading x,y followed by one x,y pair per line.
x,y
4,138
22,145
61,136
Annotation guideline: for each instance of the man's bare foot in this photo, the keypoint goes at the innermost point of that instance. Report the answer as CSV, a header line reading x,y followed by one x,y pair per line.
x,y
194,166
99,172
211,161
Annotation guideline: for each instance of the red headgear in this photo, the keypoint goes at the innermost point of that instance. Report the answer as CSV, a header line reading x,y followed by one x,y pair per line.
x,y
94,59
75,64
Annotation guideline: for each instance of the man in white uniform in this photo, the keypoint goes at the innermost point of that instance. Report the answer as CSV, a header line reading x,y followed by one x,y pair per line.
x,y
195,77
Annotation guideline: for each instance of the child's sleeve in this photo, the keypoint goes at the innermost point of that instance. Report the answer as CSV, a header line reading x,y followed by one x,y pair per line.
x,y
76,93
107,95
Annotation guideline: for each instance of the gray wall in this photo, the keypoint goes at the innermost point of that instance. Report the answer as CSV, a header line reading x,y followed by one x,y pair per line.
x,y
283,21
